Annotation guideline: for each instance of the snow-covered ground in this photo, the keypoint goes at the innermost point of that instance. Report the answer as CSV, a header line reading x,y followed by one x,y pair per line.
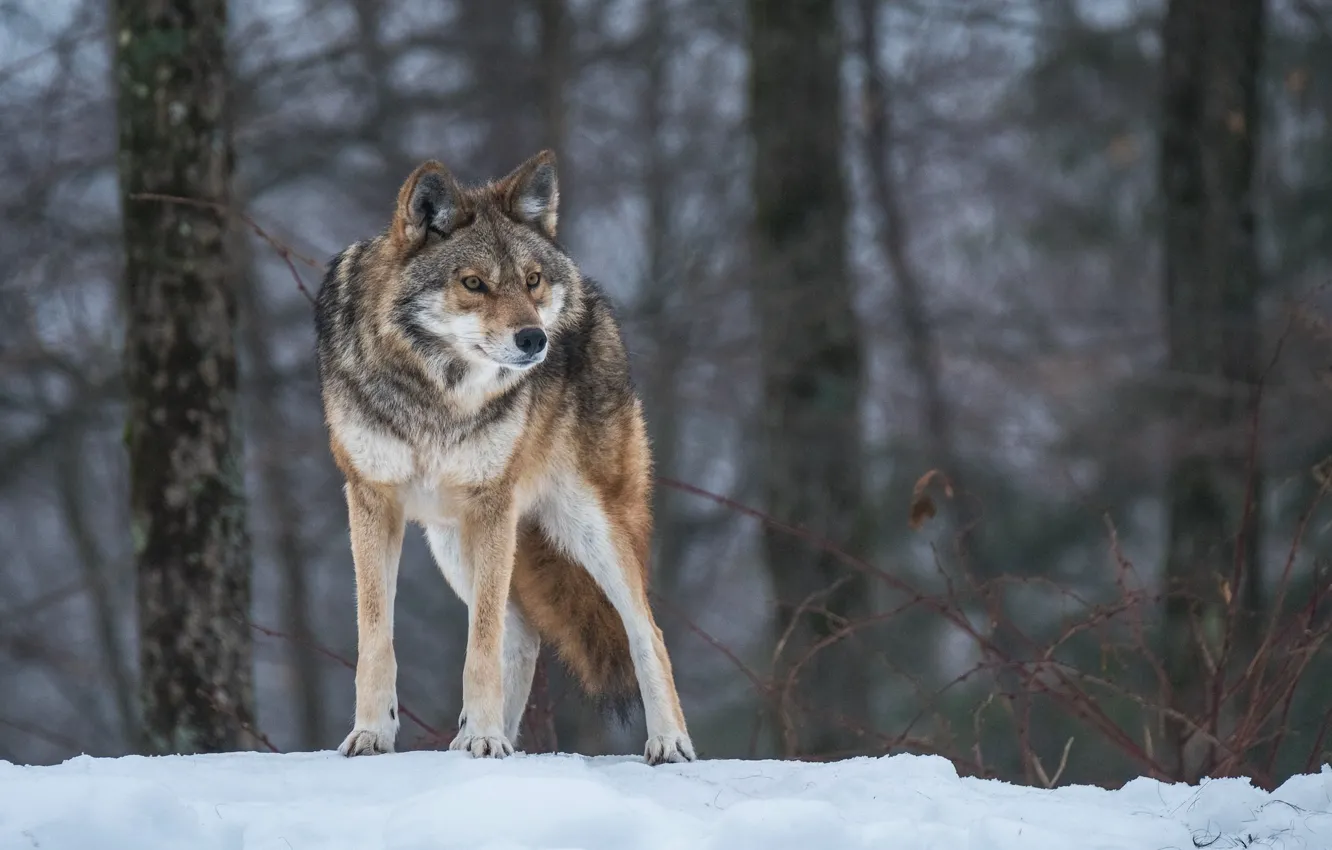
x,y
432,801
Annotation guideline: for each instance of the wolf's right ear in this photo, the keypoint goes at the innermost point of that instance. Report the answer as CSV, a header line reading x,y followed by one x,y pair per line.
x,y
429,202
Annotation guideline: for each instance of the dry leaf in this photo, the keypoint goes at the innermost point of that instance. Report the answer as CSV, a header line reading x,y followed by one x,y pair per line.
x,y
922,506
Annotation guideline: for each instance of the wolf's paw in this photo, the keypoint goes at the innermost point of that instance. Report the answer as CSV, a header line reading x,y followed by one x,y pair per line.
x,y
494,745
367,742
669,748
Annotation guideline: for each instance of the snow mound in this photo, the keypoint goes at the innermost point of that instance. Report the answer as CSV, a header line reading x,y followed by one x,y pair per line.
x,y
440,801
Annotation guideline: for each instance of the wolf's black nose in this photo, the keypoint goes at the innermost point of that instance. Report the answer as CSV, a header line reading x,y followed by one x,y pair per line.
x,y
530,341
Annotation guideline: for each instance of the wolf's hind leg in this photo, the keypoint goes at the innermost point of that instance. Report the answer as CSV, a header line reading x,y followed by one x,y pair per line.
x,y
521,647
575,520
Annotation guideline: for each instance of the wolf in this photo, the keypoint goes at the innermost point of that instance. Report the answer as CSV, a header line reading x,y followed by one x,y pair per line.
x,y
475,383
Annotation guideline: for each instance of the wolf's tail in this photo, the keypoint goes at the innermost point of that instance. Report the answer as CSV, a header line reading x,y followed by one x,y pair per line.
x,y
569,610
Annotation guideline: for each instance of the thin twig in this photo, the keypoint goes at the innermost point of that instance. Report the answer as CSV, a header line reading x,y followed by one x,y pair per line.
x,y
285,251
328,653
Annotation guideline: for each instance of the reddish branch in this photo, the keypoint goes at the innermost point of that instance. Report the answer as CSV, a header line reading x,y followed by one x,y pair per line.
x,y
285,251
328,653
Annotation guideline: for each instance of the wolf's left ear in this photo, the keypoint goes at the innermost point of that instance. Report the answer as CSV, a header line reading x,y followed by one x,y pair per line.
x,y
429,202
532,193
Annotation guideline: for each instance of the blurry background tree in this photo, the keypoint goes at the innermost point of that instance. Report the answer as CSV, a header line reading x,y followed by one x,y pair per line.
x,y
1210,137
922,234
810,359
187,494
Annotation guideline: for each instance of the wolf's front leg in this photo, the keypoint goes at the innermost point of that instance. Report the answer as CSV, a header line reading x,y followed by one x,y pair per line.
x,y
488,537
376,538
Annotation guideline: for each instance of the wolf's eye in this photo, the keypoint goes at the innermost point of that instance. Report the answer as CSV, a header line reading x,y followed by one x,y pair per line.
x,y
474,283
534,280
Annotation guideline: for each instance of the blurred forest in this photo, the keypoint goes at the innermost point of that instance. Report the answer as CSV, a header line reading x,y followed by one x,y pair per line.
x,y
1071,256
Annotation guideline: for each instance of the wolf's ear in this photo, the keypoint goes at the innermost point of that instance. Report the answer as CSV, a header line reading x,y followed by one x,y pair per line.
x,y
532,193
429,202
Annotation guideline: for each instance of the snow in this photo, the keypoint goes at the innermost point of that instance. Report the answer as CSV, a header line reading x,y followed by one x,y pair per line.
x,y
442,800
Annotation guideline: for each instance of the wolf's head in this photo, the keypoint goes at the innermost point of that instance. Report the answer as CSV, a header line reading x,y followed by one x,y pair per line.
x,y
481,278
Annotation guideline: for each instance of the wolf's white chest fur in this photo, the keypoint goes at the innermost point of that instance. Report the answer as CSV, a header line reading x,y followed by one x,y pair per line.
x,y
427,470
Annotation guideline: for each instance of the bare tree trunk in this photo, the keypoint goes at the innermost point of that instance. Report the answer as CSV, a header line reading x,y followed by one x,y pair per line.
x,y
922,353
553,72
664,280
811,359
960,514
107,599
505,78
280,496
1211,119
539,717
388,113
186,486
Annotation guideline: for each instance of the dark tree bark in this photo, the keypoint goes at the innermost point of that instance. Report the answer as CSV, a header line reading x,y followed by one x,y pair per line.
x,y
811,359
186,489
389,111
665,287
106,597
553,72
936,427
1210,125
506,74
538,725
280,491
961,518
